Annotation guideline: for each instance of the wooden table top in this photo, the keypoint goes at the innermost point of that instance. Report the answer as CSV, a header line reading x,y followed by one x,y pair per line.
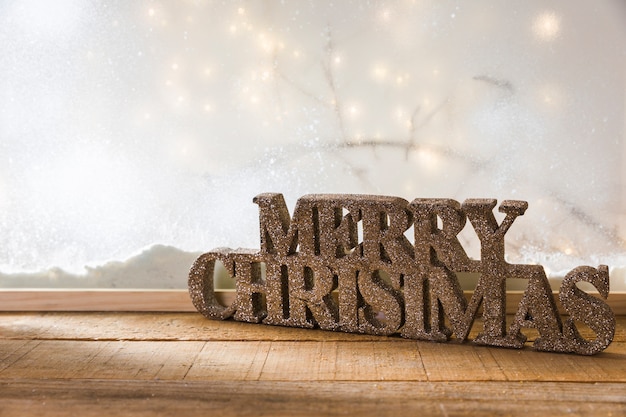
x,y
181,363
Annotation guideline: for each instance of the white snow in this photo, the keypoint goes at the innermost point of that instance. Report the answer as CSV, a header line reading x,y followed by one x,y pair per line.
x,y
133,126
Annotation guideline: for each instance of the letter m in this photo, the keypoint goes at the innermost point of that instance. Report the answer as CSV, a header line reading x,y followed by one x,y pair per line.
x,y
281,235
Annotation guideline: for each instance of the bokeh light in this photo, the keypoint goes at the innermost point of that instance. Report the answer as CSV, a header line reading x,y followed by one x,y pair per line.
x,y
125,125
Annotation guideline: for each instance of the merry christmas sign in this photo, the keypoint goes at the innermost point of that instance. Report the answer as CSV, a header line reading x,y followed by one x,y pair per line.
x,y
344,263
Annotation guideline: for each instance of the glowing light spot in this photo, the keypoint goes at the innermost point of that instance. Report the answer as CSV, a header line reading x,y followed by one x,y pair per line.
x,y
385,15
379,73
337,59
550,96
547,26
241,11
151,12
267,43
427,159
266,75
175,66
233,29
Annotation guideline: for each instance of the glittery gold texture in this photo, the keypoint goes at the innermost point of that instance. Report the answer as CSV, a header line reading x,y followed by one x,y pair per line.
x,y
344,263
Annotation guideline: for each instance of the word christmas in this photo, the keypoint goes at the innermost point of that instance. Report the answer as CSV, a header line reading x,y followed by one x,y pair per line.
x,y
312,271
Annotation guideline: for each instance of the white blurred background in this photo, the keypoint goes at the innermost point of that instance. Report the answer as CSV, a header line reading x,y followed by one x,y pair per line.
x,y
134,135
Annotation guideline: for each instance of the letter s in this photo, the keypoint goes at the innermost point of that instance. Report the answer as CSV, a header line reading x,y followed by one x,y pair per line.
x,y
585,308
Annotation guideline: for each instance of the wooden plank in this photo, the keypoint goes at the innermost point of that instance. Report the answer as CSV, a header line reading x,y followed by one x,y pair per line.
x,y
142,361
12,351
399,360
339,361
95,300
383,361
229,361
283,398
151,326
220,360
180,326
72,359
459,362
165,300
608,366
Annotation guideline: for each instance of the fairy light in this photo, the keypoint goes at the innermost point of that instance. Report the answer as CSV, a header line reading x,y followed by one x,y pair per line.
x,y
547,26
549,97
426,159
266,42
401,79
266,75
400,114
379,73
385,15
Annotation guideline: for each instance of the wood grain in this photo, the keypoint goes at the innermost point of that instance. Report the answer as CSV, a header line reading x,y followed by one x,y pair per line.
x,y
168,300
263,398
71,363
180,326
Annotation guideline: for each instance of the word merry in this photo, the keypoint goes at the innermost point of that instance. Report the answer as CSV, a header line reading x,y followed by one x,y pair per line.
x,y
312,271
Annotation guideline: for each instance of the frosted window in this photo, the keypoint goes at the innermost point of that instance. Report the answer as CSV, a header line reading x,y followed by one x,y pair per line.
x,y
134,134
